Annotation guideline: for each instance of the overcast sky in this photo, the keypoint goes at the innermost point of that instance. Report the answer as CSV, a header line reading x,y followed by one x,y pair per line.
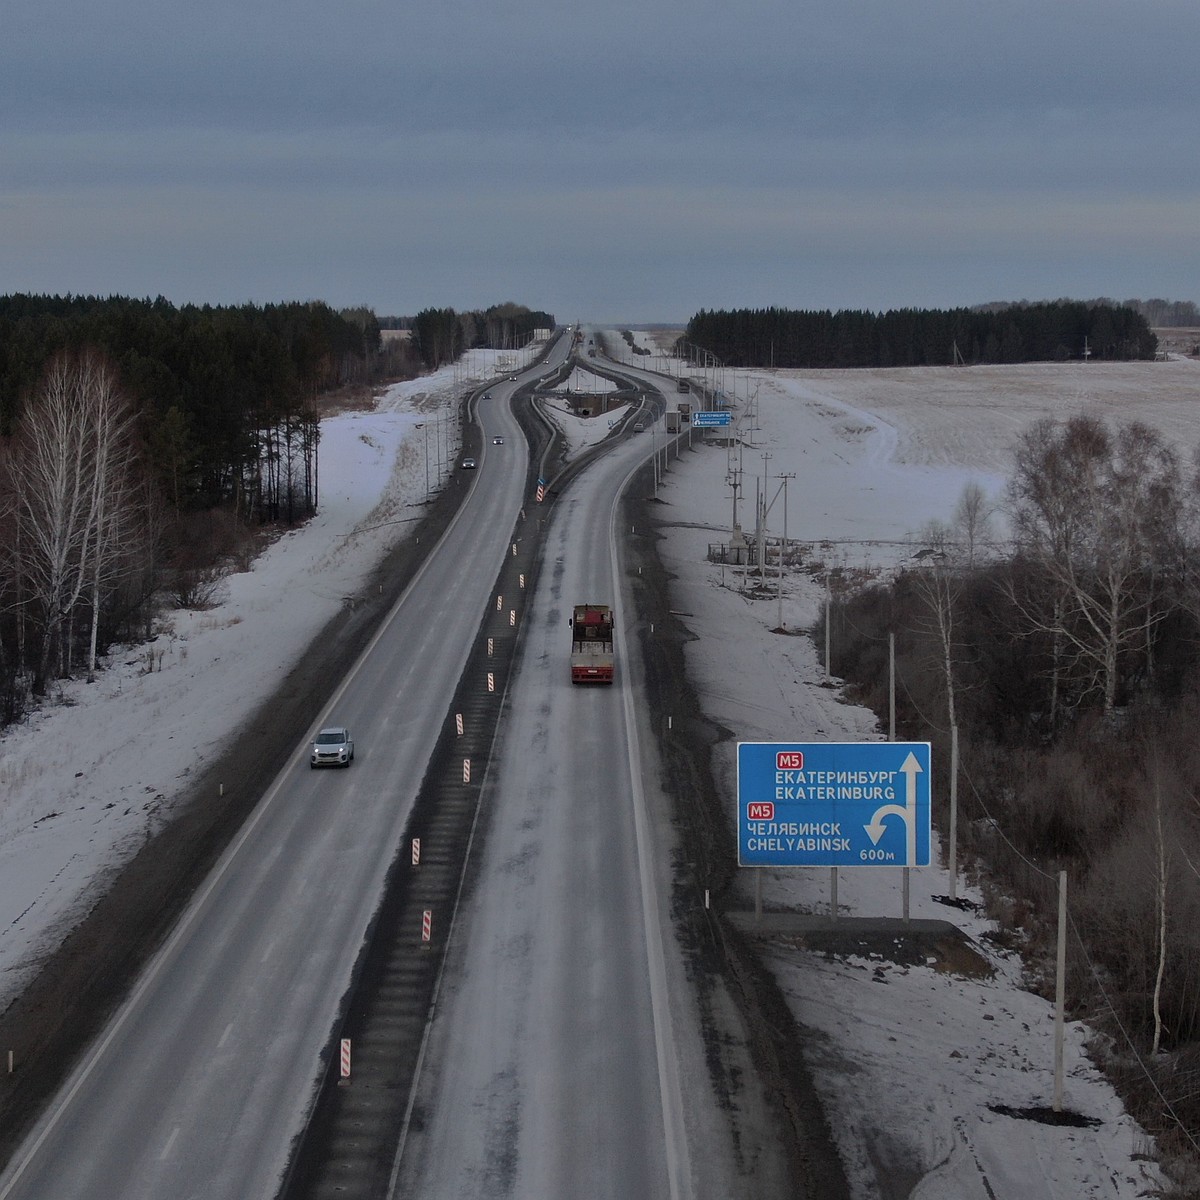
x,y
609,161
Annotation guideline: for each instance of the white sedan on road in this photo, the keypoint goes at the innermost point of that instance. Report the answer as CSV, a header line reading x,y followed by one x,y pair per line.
x,y
333,747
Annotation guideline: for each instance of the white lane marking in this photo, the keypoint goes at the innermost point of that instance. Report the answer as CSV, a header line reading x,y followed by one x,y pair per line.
x,y
225,1035
170,1142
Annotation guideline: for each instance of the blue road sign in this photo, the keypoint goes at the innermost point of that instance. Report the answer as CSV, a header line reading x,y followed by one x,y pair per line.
x,y
710,420
833,804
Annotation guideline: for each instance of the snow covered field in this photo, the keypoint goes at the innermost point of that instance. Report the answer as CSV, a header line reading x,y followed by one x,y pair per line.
x,y
875,456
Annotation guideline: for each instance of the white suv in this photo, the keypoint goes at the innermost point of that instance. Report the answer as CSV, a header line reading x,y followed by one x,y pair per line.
x,y
333,748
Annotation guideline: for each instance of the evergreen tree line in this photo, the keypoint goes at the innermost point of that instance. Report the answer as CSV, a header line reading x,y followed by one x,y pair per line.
x,y
1057,331
139,445
1067,659
440,335
214,388
142,443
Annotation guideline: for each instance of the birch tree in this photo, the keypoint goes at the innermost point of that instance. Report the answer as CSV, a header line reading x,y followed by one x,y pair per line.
x,y
115,511
1160,904
1097,516
72,468
972,520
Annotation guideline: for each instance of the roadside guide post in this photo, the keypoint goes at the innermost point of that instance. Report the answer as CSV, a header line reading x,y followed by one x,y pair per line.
x,y
905,888
953,812
1060,990
891,687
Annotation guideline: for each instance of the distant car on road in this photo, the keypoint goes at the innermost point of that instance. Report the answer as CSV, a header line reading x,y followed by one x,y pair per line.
x,y
333,747
638,427
468,464
497,441
487,395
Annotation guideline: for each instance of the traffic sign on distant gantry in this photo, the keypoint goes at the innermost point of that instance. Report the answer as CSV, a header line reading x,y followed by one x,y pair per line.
x,y
834,804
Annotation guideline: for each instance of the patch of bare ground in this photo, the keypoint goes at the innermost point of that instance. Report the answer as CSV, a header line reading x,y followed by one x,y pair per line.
x,y
948,950
356,397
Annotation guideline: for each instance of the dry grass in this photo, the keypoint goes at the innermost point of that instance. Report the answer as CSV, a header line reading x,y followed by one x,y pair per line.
x,y
357,397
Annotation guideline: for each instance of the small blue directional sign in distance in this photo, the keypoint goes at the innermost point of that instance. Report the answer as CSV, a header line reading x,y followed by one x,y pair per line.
x,y
833,804
710,420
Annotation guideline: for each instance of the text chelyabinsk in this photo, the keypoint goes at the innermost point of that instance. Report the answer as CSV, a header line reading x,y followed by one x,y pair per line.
x,y
810,836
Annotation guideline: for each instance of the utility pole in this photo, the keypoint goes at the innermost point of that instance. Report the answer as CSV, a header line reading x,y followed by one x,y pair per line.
x,y
735,481
762,519
783,545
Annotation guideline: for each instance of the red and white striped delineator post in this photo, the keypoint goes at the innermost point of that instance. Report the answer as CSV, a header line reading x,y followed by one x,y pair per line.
x,y
491,682
345,1063
500,602
512,616
426,927
522,580
491,646
466,770
458,723
416,852
514,548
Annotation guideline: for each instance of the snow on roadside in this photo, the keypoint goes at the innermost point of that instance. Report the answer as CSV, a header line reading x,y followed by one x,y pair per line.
x,y
908,1060
581,433
85,780
581,380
